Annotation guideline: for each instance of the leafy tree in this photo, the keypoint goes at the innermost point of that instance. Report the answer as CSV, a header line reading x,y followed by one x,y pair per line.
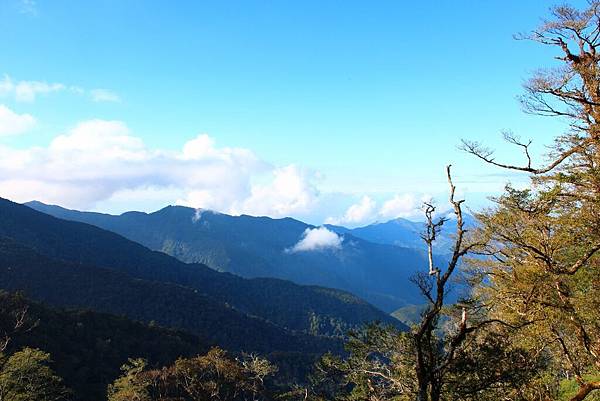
x,y
542,270
132,385
26,376
214,376
381,366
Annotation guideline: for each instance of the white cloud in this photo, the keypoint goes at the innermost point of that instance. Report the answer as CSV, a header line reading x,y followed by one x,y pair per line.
x,y
100,163
405,205
361,212
104,95
28,91
12,123
291,191
317,239
288,190
366,210
78,90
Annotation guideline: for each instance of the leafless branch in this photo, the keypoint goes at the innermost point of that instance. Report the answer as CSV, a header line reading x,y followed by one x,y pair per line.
x,y
485,154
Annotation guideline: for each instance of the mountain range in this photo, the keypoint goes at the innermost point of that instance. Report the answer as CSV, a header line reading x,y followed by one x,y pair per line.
x,y
375,262
77,265
406,233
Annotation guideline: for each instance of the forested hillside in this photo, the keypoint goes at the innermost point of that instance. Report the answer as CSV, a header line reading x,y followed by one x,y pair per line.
x,y
67,284
263,247
88,348
298,308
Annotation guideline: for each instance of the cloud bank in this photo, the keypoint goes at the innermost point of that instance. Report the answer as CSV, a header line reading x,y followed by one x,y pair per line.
x,y
102,165
102,162
317,239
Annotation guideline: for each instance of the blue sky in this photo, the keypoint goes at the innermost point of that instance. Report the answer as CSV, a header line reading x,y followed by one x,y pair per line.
x,y
306,108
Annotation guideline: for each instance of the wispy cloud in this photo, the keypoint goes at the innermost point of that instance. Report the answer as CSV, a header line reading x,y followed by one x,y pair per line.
x,y
28,91
367,210
104,95
401,205
28,7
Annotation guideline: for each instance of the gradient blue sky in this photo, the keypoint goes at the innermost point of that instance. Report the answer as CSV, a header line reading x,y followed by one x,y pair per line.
x,y
365,98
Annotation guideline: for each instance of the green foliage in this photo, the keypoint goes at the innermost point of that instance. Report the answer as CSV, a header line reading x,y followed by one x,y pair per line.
x,y
130,386
88,347
541,278
77,285
211,377
380,365
409,314
569,387
27,376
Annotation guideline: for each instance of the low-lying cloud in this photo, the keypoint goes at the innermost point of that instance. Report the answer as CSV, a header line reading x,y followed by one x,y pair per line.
x,y
317,239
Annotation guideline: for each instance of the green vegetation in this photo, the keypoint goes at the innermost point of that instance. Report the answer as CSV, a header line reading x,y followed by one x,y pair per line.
x,y
409,314
26,376
87,348
570,387
542,274
214,376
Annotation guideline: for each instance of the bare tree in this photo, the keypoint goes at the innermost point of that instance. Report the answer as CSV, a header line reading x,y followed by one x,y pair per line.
x,y
14,318
432,360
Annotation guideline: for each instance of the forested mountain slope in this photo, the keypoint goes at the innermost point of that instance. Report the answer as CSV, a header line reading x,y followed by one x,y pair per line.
x,y
264,247
88,348
298,308
78,285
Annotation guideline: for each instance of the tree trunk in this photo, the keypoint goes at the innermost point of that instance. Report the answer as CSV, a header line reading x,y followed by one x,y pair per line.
x,y
422,394
436,391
